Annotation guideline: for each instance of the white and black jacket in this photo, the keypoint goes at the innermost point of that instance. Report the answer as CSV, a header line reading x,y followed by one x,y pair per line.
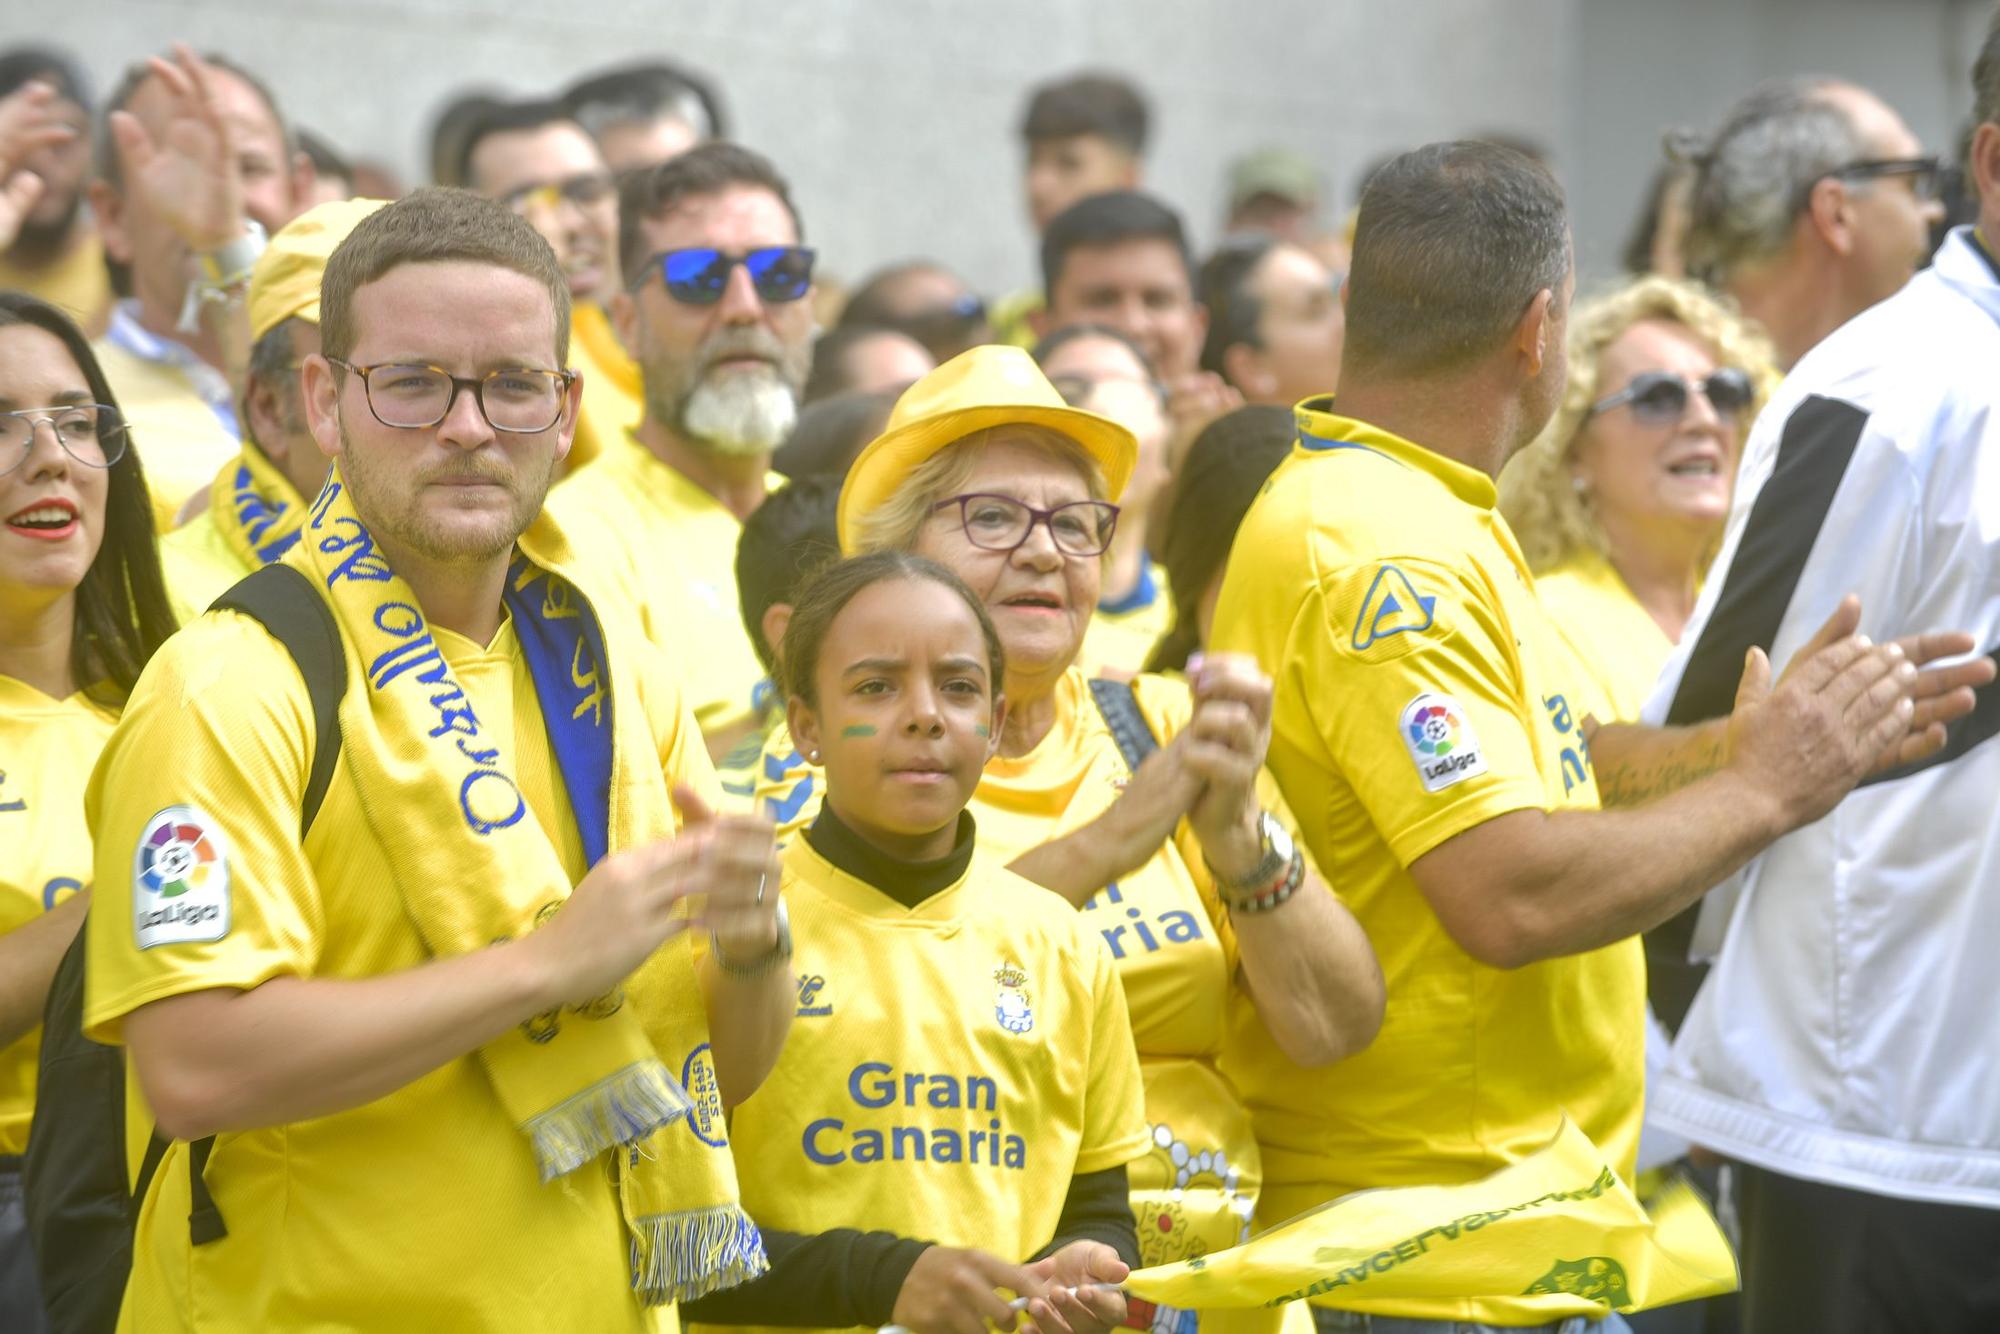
x,y
1849,1031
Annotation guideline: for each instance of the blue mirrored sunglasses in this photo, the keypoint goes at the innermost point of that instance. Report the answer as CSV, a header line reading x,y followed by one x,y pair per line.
x,y
698,276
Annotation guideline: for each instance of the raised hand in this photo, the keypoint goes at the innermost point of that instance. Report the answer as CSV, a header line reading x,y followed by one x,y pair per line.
x,y
1226,740
189,176
1842,703
735,889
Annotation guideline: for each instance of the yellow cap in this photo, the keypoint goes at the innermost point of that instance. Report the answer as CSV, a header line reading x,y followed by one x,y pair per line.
x,y
284,282
988,386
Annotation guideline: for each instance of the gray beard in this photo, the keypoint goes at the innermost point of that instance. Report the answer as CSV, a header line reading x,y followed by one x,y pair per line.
x,y
743,416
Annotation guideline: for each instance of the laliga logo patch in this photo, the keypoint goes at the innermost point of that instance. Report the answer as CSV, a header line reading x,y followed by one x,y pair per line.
x,y
1010,998
1440,739
180,879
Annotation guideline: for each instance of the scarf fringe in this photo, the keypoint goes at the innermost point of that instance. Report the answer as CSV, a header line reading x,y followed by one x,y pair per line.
x,y
621,1109
680,1257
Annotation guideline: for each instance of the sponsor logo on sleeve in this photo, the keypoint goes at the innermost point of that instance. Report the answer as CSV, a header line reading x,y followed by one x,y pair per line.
x,y
1393,606
180,879
1441,741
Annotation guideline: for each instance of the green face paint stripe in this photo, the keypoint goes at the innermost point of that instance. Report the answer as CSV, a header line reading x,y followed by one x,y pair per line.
x,y
983,729
858,729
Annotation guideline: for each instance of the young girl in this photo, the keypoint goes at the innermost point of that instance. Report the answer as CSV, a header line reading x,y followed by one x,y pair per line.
x,y
961,1067
82,608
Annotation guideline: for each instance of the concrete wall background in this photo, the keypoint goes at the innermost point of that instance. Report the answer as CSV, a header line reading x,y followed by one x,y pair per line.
x,y
895,118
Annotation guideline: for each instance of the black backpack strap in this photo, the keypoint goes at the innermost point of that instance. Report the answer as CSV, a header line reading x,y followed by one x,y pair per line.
x,y
204,1219
1129,728
285,603
156,1149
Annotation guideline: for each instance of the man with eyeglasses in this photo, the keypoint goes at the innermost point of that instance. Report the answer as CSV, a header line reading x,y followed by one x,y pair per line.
x,y
1844,1048
1812,203
716,310
256,504
535,159
451,967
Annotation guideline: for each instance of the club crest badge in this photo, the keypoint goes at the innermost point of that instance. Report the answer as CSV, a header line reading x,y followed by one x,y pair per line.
x,y
180,879
1010,998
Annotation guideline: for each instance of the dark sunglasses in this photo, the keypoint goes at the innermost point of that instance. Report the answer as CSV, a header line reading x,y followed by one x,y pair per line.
x,y
1658,398
1928,175
699,276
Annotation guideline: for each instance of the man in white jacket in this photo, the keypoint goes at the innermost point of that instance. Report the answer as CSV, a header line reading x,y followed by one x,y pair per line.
x,y
1846,1046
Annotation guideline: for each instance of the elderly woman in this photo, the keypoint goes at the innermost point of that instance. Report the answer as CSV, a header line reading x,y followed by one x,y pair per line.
x,y
1144,804
1619,505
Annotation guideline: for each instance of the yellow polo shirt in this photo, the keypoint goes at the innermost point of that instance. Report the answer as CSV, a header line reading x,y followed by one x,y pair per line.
x,y
669,547
613,393
956,1064
1421,690
1615,639
424,1209
77,284
47,747
180,441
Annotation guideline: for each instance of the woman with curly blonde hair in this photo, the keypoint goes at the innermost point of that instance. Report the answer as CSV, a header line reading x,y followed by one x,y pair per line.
x,y
1619,506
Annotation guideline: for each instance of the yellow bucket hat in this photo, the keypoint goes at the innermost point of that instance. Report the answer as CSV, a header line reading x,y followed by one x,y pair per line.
x,y
284,282
988,386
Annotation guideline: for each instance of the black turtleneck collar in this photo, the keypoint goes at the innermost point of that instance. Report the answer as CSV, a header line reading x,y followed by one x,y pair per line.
x,y
908,883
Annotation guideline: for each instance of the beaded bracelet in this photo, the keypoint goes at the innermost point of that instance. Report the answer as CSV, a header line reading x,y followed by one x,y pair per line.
x,y
1266,900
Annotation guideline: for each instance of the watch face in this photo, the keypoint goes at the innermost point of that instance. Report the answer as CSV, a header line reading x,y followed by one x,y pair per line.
x,y
1281,838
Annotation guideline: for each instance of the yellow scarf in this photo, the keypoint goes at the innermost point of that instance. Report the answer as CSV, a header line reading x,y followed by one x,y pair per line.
x,y
474,867
255,508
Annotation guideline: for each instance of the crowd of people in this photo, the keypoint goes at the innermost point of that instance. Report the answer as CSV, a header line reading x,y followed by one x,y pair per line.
x,y
635,783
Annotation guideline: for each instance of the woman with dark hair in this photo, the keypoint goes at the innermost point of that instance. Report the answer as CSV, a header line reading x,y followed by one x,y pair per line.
x,y
1225,468
82,607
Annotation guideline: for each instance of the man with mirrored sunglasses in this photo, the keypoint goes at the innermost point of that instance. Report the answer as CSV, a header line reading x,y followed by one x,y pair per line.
x,y
1813,202
535,159
716,310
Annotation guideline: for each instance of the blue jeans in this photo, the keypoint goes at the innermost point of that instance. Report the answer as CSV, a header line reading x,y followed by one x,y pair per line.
x,y
1328,1321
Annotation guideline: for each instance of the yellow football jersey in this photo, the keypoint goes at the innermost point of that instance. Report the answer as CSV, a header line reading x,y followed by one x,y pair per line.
x,y
613,399
1121,635
1168,935
1615,639
1420,691
47,747
952,1067
199,565
670,548
175,432
423,1209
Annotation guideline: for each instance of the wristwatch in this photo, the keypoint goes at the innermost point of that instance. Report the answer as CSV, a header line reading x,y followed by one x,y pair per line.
x,y
780,951
1278,852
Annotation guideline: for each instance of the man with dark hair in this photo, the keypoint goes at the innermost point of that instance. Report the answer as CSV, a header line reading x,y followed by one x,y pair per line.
x,y
469,981
923,299
716,309
196,167
1275,320
48,245
1084,135
1122,259
863,359
535,159
1812,203
1432,723
1843,1049
642,115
